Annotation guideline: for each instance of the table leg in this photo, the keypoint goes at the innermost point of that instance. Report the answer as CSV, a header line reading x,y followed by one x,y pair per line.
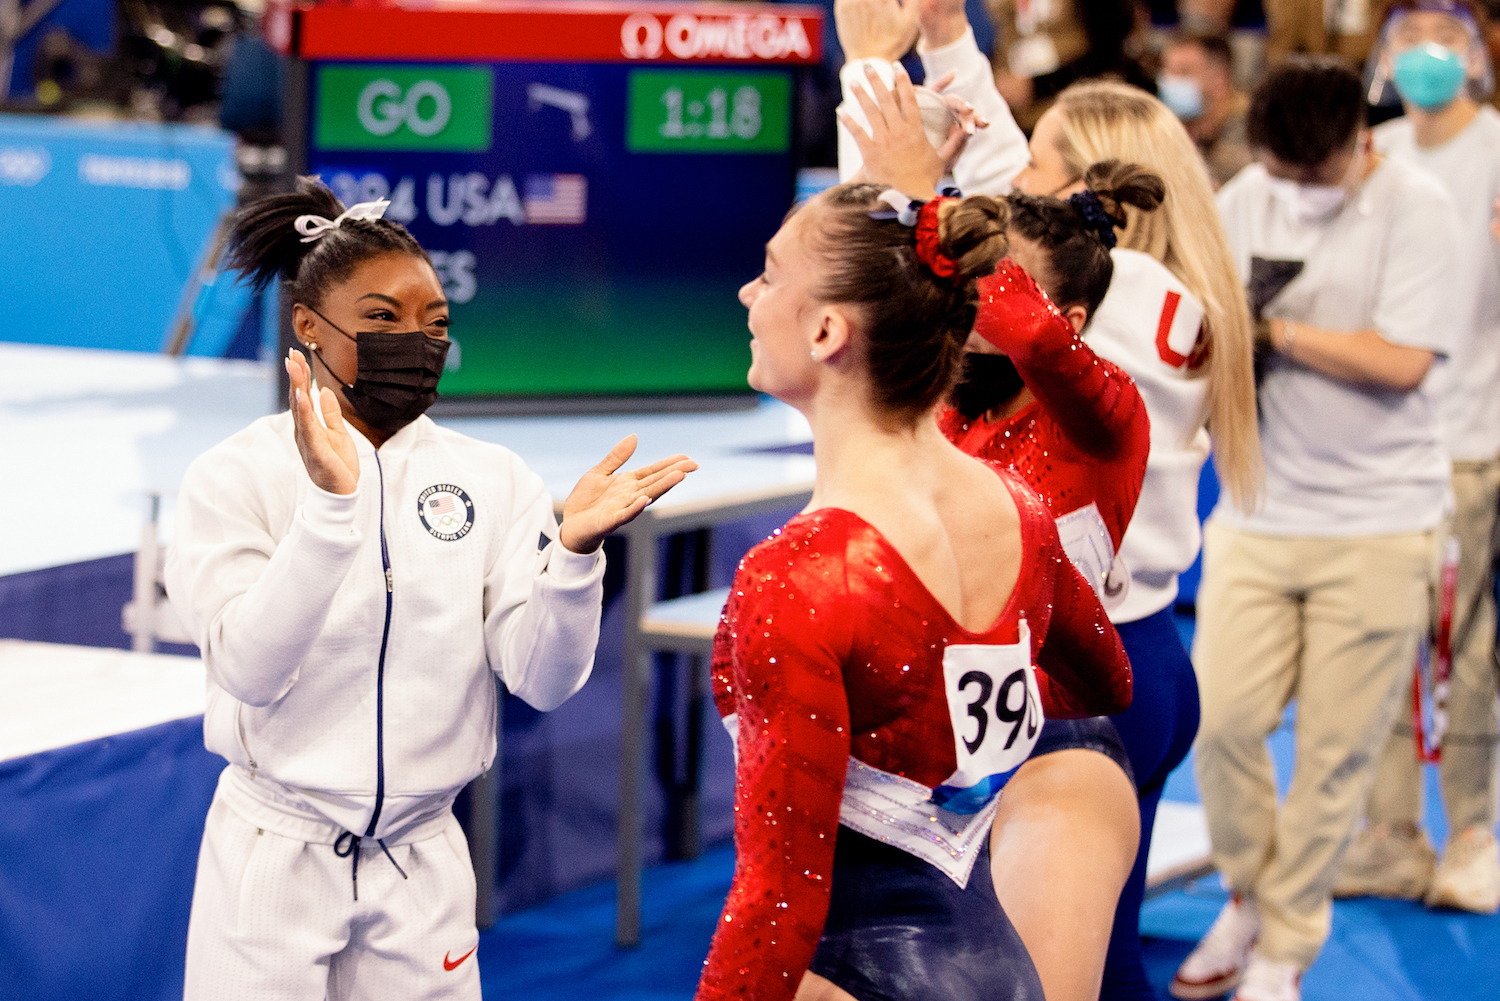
x,y
640,578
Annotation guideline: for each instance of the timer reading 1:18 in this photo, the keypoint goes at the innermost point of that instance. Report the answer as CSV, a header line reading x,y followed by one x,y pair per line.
x,y
708,112
744,123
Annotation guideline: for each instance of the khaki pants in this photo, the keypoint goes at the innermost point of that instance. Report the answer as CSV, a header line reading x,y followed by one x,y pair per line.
x,y
1334,624
1469,763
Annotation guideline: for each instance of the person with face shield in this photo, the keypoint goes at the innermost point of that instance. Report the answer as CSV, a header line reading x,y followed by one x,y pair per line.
x,y
1432,60
1197,83
356,577
1319,595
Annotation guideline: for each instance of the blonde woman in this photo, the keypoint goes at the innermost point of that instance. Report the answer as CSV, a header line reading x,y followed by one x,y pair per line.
x,y
1175,318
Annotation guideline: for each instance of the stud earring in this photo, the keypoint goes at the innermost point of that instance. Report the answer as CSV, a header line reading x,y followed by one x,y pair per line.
x,y
815,356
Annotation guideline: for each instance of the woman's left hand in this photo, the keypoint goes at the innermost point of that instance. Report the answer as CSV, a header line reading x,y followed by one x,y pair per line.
x,y
605,499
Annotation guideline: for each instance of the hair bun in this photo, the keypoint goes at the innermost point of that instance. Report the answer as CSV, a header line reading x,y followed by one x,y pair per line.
x,y
1117,184
971,231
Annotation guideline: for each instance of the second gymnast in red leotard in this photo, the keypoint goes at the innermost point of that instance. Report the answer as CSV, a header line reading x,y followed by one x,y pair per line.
x,y
1075,428
887,659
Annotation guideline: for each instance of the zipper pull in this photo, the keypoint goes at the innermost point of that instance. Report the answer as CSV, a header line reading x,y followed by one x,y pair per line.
x,y
389,587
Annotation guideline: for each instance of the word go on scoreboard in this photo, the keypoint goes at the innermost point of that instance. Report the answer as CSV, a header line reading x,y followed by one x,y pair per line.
x,y
594,181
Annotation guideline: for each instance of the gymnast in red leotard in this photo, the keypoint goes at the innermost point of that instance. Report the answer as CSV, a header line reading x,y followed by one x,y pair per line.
x,y
886,660
1035,397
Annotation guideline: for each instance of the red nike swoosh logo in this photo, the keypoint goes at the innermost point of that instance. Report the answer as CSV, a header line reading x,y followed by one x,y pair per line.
x,y
453,964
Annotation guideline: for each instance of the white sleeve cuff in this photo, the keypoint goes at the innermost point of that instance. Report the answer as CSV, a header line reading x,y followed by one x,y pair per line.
x,y
568,567
328,513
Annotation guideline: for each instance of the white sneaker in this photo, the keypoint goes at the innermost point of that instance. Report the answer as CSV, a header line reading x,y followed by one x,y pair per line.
x,y
1217,965
1386,860
1468,878
1267,980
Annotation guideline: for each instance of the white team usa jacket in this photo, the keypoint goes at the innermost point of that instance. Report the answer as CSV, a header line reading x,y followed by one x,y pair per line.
x,y
1149,324
349,640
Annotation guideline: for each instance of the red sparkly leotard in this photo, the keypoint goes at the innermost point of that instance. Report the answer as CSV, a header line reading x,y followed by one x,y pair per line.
x,y
836,664
1084,439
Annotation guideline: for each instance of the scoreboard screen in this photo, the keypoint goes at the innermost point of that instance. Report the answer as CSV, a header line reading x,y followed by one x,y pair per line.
x,y
594,181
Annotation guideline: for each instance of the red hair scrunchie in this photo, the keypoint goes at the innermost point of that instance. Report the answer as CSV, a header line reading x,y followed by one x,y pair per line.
x,y
929,244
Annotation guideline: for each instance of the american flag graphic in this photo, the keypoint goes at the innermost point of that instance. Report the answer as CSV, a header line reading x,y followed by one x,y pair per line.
x,y
442,504
556,199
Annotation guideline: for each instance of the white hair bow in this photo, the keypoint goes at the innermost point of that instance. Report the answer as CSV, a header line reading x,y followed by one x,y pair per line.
x,y
313,227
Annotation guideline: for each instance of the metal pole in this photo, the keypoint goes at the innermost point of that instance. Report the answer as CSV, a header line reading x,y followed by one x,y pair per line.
x,y
640,589
689,817
143,636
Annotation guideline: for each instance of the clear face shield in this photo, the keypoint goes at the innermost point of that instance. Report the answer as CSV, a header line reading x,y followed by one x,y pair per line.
x,y
1427,56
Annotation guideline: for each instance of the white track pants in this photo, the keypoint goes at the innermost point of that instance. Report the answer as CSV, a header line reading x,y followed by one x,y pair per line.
x,y
274,917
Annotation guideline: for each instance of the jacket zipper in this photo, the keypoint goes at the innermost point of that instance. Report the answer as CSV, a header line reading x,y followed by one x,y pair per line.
x,y
239,721
385,636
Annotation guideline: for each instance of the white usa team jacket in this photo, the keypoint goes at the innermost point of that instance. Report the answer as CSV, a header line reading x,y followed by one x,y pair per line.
x,y
349,640
1150,325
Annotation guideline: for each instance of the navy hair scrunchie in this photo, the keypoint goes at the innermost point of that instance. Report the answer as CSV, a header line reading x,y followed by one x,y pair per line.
x,y
1092,209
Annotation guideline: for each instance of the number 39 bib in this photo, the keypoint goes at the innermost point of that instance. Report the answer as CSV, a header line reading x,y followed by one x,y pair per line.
x,y
996,711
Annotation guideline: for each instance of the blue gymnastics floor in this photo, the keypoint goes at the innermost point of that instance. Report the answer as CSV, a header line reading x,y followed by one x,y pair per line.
x,y
1379,950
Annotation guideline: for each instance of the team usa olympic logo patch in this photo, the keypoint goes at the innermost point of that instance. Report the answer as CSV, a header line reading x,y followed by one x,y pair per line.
x,y
446,511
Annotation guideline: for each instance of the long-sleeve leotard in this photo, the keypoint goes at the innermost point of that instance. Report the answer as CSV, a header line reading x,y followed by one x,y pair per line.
x,y
831,648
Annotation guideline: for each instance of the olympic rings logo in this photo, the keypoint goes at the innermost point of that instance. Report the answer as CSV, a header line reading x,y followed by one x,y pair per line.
x,y
382,108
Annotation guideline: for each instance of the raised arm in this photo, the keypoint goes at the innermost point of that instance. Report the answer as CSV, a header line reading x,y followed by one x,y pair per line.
x,y
541,609
256,603
995,155
1095,403
793,748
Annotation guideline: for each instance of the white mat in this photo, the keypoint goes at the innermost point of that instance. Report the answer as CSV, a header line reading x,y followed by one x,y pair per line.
x,y
58,695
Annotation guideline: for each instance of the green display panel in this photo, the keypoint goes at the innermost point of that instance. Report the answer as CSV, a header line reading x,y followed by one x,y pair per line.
x,y
707,112
426,108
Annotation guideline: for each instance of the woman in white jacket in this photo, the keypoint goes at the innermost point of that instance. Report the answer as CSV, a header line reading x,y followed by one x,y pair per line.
x,y
353,574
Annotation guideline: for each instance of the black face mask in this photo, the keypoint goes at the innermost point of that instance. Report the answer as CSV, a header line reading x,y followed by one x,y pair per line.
x,y
987,382
397,375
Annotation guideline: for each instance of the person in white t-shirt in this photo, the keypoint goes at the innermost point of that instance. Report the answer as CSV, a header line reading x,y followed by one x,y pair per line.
x,y
1321,594
1436,61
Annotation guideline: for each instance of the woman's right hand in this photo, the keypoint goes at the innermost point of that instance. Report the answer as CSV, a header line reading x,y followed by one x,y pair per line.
x,y
327,452
895,150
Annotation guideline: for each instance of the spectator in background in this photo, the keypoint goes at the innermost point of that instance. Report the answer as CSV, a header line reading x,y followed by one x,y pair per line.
x,y
1320,594
1433,53
1342,27
1044,45
1197,83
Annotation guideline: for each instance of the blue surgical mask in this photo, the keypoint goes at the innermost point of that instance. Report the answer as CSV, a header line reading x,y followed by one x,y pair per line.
x,y
1181,94
1428,75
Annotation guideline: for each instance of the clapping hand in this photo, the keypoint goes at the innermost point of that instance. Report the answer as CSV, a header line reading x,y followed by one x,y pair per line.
x,y
875,29
896,150
327,451
605,499
942,22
